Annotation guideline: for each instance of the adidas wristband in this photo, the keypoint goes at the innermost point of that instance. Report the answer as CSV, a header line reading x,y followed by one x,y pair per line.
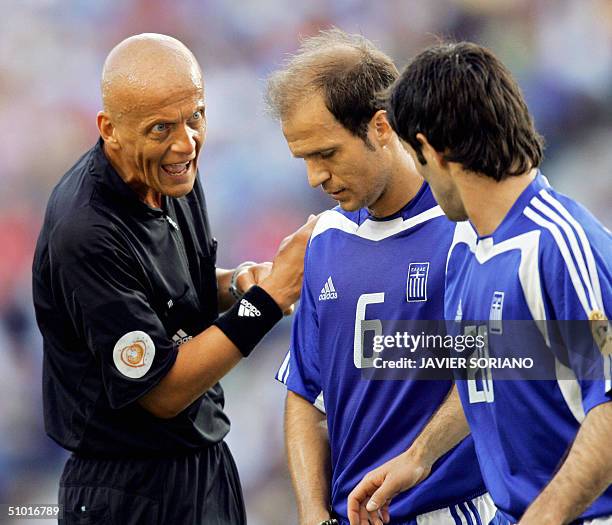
x,y
250,319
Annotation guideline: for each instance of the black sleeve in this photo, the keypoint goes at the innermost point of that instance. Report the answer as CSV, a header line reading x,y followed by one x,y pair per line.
x,y
104,290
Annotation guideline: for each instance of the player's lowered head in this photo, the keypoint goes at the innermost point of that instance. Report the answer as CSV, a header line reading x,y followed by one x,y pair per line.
x,y
153,121
464,120
327,97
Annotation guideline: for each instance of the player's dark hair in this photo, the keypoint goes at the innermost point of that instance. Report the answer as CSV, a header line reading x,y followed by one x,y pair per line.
x,y
468,106
348,70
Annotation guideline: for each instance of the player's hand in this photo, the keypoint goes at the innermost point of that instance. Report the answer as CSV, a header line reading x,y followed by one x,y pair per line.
x,y
255,274
284,282
369,500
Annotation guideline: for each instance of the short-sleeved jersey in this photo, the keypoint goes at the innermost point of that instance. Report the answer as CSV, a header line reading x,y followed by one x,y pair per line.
x,y
118,286
358,268
549,260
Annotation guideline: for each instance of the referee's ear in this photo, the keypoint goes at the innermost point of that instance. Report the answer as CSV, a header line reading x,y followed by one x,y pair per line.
x,y
382,129
107,130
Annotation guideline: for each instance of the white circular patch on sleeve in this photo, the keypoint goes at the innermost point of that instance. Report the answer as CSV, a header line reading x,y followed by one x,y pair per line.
x,y
133,354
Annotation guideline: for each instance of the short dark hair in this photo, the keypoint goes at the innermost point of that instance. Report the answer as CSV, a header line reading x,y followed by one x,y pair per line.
x,y
347,69
469,107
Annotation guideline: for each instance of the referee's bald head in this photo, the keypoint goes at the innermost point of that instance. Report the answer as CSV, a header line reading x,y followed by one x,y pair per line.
x,y
142,67
153,123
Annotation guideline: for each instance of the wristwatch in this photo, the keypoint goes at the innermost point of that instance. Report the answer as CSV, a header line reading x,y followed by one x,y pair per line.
x,y
233,289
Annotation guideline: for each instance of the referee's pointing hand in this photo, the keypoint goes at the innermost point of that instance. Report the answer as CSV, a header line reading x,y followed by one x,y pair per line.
x,y
285,280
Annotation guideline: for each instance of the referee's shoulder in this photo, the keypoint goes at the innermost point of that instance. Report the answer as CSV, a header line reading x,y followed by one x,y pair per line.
x,y
81,231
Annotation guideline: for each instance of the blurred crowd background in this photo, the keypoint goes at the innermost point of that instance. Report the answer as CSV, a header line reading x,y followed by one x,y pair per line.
x,y
51,54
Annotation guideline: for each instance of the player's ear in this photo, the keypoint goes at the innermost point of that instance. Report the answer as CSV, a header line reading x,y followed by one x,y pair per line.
x,y
107,130
429,154
382,128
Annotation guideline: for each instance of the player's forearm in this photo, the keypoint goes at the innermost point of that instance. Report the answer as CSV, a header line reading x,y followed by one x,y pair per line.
x,y
224,298
584,476
200,364
446,429
308,455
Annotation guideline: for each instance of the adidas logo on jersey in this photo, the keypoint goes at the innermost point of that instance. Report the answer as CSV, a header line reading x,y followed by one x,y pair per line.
x,y
246,309
181,337
328,291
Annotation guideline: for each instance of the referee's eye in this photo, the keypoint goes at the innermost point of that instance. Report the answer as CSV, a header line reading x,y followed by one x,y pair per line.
x,y
160,128
197,115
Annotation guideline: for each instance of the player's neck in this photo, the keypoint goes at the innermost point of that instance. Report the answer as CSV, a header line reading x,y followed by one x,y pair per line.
x,y
404,183
487,202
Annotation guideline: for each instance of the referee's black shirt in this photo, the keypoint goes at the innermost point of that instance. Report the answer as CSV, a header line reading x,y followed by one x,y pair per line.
x,y
118,286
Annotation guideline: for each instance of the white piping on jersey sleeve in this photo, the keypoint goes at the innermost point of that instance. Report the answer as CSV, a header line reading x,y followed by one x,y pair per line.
x,y
586,284
570,390
283,371
569,263
586,246
576,251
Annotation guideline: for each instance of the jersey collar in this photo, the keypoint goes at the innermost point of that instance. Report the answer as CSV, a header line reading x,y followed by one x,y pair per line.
x,y
421,202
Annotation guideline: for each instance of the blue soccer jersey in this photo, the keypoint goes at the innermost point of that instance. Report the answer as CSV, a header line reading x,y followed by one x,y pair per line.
x,y
359,268
548,261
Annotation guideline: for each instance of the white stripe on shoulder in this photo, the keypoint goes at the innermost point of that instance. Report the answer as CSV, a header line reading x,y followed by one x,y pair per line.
x,y
464,233
369,229
283,368
567,257
586,245
331,219
573,241
378,230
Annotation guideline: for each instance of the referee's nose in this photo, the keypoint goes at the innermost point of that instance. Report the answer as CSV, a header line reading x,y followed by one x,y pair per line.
x,y
185,140
317,174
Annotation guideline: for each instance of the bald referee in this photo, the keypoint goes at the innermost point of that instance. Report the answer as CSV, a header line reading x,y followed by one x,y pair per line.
x,y
127,297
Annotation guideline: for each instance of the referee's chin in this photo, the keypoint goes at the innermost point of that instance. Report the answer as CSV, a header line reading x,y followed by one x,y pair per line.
x,y
177,189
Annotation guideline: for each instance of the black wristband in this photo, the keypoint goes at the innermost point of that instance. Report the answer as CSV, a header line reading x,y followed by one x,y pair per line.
x,y
252,317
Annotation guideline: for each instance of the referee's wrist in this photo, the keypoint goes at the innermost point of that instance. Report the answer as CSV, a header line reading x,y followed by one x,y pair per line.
x,y
234,291
247,322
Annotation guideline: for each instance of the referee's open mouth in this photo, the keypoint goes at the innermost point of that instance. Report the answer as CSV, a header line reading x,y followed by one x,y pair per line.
x,y
177,170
